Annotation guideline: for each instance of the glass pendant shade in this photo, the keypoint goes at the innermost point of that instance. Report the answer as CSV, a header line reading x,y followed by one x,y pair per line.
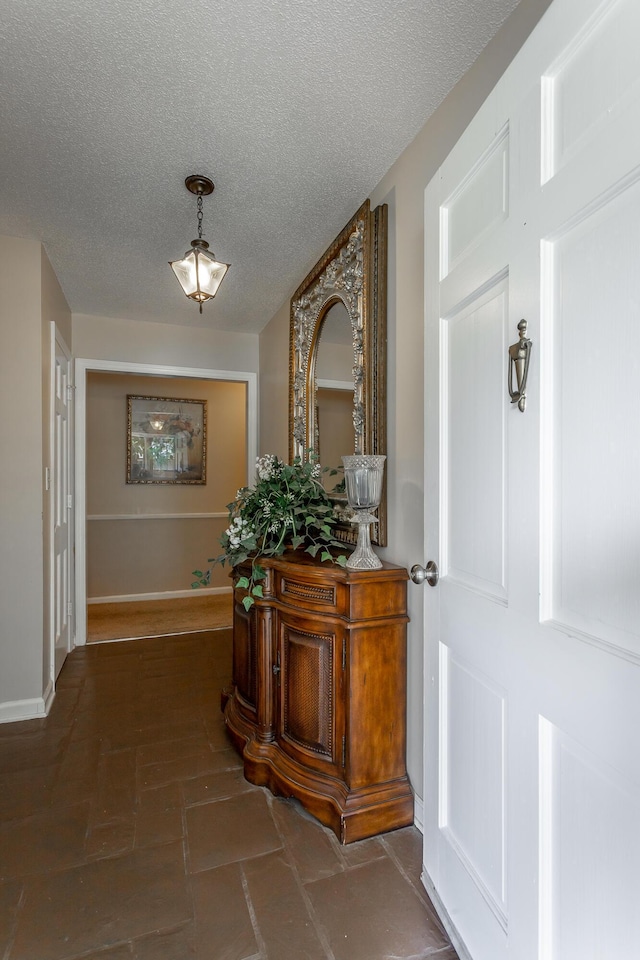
x,y
199,273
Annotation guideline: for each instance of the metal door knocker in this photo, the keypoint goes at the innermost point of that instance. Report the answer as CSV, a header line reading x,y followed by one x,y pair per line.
x,y
519,355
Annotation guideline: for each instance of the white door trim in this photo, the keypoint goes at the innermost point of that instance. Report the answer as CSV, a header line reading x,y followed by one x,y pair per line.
x,y
58,342
84,366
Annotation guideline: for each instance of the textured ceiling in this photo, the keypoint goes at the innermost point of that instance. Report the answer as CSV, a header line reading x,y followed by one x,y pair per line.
x,y
295,109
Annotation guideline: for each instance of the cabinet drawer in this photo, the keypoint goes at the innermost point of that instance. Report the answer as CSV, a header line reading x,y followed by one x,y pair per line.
x,y
309,594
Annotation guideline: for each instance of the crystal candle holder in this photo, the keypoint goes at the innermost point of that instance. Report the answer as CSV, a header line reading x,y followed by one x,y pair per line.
x,y
363,481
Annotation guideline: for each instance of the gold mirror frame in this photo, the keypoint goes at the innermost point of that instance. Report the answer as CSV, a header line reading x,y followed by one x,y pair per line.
x,y
354,271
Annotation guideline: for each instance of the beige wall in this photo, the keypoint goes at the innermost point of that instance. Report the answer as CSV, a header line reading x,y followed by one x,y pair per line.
x,y
158,554
334,361
105,338
54,305
402,188
335,428
274,385
29,298
21,546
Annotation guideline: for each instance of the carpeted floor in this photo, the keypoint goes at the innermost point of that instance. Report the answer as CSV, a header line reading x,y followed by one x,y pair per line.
x,y
158,618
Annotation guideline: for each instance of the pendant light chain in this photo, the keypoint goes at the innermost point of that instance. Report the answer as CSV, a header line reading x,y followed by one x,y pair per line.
x,y
200,215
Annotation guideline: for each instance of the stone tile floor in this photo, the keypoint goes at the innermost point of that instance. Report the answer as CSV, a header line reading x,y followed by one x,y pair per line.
x,y
128,831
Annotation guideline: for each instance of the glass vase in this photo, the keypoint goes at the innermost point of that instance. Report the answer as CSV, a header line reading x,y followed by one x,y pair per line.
x,y
363,475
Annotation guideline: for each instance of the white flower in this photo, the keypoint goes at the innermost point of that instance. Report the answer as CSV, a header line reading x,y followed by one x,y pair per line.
x,y
265,466
239,530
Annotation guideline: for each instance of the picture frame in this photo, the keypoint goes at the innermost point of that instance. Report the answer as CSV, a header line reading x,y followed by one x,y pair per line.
x,y
166,440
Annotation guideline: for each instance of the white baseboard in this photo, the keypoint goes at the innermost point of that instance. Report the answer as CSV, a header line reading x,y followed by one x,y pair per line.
x,y
48,696
35,709
447,922
167,595
418,814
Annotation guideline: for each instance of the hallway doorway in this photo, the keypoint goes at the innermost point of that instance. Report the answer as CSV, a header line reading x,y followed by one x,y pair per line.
x,y
139,543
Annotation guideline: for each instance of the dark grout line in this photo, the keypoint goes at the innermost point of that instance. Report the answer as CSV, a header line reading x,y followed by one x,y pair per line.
x,y
252,913
317,926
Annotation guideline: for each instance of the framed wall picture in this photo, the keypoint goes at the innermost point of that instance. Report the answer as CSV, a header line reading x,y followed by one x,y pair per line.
x,y
166,440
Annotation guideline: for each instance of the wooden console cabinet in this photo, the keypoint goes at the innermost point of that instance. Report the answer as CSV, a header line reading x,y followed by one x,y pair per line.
x,y
318,703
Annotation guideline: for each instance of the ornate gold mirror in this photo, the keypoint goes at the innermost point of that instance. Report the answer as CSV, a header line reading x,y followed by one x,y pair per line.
x,y
337,348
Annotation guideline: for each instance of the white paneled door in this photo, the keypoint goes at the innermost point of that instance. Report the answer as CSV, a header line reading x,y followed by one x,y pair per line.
x,y
532,737
61,590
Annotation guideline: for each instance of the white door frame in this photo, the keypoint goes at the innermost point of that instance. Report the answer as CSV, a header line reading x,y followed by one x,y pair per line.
x,y
82,368
58,341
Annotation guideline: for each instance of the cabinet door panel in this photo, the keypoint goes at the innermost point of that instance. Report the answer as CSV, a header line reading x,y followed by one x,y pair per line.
x,y
245,656
311,718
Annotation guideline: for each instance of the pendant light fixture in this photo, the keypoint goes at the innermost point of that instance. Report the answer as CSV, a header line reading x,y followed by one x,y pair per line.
x,y
199,273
